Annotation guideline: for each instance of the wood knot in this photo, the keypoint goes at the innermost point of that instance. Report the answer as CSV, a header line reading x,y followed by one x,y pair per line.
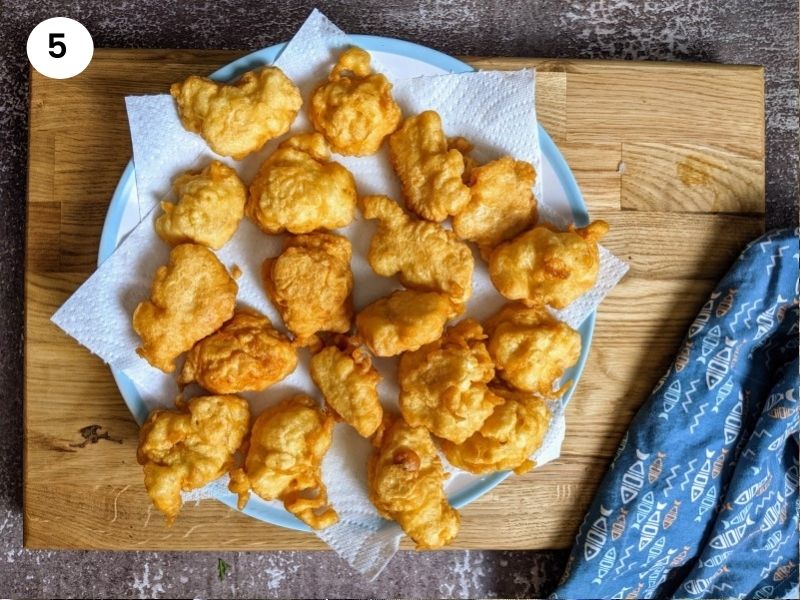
x,y
91,435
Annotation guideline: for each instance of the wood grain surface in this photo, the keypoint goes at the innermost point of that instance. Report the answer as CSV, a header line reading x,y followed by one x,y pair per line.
x,y
672,155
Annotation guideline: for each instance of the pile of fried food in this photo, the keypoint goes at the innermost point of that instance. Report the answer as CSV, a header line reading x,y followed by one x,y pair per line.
x,y
478,392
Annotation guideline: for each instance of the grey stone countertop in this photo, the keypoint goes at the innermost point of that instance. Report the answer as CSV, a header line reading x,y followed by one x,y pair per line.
x,y
727,31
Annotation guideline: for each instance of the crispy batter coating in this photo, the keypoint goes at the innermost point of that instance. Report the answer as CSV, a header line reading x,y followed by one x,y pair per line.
x,y
443,385
284,460
531,349
507,438
191,297
430,173
542,266
236,120
246,355
464,146
298,189
404,320
501,203
348,381
310,283
354,109
426,256
209,208
187,448
405,481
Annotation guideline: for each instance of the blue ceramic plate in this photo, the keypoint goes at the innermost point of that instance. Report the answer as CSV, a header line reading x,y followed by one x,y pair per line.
x,y
559,185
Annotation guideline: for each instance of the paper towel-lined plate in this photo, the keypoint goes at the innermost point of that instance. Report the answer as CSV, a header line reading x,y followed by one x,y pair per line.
x,y
412,60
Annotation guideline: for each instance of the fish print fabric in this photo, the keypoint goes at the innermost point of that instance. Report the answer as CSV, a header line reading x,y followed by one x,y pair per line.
x,y
701,500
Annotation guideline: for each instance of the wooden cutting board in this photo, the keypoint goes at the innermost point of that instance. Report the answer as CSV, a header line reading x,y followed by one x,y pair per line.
x,y
672,155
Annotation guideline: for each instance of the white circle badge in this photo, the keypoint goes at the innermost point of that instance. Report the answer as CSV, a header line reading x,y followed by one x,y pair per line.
x,y
60,48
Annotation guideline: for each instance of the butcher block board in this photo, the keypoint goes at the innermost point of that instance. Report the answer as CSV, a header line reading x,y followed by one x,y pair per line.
x,y
671,155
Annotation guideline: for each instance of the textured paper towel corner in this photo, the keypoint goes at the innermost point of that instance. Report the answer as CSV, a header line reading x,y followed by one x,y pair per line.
x,y
495,110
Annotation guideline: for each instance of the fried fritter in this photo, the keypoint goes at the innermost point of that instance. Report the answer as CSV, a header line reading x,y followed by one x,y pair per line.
x,y
430,173
426,256
191,297
405,481
443,385
209,207
507,438
404,320
236,120
246,355
187,448
531,349
310,283
354,109
348,381
298,189
501,203
464,146
542,266
284,460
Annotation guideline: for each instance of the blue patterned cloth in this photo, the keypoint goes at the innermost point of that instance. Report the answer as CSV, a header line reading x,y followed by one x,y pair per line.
x,y
701,500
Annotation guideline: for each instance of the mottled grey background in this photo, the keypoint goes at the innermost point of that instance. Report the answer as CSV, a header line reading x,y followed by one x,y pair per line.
x,y
728,31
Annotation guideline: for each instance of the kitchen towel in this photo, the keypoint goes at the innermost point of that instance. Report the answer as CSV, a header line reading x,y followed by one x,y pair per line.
x,y
701,500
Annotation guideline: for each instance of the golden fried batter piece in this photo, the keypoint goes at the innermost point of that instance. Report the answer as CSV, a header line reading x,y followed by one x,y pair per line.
x,y
187,448
405,479
542,266
209,208
348,381
354,109
501,203
464,146
236,120
284,460
298,189
310,283
430,173
246,355
404,320
507,438
191,297
425,255
531,349
443,385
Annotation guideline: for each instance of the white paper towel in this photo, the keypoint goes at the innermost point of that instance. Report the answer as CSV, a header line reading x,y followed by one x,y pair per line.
x,y
494,110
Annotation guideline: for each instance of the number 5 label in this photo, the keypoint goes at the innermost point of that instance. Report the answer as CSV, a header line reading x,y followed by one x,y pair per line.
x,y
60,48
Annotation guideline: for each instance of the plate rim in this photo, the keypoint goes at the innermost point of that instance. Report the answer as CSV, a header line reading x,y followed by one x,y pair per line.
x,y
269,54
